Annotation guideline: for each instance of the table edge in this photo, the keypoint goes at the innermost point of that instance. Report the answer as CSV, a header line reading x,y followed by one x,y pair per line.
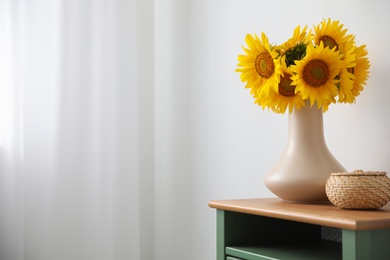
x,y
343,223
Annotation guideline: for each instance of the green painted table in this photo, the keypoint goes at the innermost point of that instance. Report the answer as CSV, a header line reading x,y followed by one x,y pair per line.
x,y
270,228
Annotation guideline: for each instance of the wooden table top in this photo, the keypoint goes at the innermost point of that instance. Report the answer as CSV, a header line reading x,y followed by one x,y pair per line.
x,y
319,214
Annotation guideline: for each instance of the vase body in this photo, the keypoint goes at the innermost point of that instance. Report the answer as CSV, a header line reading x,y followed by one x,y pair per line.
x,y
301,172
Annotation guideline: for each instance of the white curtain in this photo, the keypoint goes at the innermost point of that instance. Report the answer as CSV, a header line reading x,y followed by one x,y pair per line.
x,y
70,131
81,108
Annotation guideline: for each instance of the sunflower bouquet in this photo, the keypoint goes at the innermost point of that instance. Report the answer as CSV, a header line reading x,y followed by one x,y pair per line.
x,y
323,65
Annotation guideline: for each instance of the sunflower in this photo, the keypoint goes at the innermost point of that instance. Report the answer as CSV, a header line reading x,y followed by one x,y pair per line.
x,y
259,67
360,71
285,96
315,75
295,47
331,34
346,76
298,37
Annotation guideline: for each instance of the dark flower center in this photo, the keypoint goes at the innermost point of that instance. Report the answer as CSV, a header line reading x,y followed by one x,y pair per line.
x,y
264,65
285,87
315,73
329,42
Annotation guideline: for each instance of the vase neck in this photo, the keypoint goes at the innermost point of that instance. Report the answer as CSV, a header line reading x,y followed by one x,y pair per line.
x,y
306,125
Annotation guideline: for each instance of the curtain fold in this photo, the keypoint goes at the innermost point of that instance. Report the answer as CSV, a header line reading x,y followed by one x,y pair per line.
x,y
11,134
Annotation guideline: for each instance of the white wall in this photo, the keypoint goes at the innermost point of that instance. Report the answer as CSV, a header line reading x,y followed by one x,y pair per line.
x,y
212,142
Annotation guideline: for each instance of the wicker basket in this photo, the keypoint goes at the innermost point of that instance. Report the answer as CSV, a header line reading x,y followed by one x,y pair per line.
x,y
358,189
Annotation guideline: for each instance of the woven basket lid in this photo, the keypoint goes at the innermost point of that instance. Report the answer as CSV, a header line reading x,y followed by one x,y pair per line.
x,y
359,173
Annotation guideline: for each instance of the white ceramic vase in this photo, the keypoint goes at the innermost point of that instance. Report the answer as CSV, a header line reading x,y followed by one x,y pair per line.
x,y
301,172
